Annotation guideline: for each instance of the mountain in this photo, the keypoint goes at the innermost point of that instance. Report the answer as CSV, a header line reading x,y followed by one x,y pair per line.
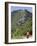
x,y
21,19
20,16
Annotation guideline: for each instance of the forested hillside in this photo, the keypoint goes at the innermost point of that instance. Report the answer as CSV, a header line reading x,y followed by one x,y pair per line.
x,y
21,23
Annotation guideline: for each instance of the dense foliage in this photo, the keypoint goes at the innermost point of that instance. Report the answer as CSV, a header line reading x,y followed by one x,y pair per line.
x,y
19,30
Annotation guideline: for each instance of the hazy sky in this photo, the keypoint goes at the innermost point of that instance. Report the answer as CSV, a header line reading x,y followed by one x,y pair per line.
x,y
13,8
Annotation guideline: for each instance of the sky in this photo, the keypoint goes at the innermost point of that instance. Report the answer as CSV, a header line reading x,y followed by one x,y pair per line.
x,y
13,8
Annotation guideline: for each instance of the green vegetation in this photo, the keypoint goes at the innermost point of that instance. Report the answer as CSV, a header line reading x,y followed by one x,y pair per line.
x,y
17,31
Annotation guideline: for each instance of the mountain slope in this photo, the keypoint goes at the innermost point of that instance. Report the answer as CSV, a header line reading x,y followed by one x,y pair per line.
x,y
21,22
